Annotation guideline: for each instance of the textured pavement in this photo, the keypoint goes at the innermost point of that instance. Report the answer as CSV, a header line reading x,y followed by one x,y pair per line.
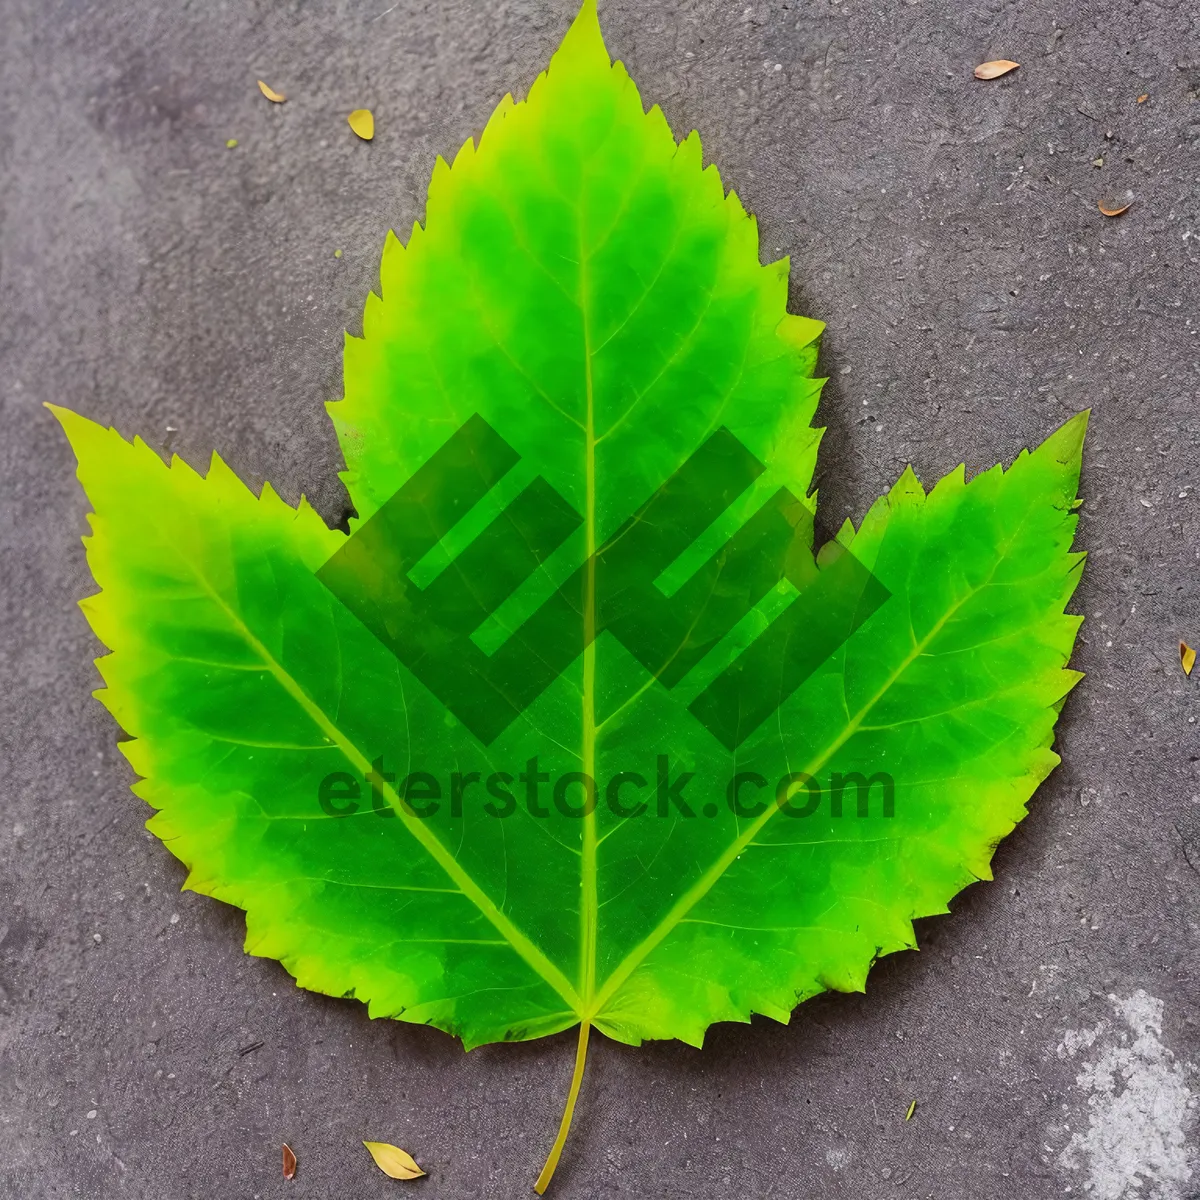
x,y
947,231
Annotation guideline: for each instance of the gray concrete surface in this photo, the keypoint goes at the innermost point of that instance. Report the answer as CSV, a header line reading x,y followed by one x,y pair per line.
x,y
947,231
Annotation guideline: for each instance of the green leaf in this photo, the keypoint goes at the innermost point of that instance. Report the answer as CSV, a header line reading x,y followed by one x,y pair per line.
x,y
578,438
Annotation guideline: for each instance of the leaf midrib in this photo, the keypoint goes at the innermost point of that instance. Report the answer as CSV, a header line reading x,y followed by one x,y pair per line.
x,y
589,902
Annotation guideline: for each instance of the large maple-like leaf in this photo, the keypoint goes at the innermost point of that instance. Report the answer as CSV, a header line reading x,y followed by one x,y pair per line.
x,y
579,443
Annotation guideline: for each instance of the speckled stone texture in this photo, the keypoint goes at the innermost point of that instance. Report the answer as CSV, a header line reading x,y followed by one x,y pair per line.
x,y
947,231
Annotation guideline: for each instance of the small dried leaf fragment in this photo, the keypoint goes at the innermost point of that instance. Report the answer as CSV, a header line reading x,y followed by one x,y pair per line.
x,y
1187,657
289,1162
1143,98
394,1162
271,94
362,121
995,68
1114,207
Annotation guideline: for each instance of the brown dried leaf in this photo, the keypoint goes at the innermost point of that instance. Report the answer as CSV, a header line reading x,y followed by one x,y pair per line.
x,y
1187,657
995,68
271,94
362,121
1143,98
289,1162
1114,207
394,1162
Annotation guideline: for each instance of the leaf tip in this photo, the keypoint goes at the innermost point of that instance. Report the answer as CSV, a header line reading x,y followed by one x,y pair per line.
x,y
1065,444
64,416
584,37
907,487
77,428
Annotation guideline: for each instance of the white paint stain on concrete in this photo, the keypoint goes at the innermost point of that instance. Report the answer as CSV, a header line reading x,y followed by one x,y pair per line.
x,y
1139,1106
838,1159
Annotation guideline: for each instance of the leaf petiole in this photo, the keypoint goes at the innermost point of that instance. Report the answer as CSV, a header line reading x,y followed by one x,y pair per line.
x,y
564,1127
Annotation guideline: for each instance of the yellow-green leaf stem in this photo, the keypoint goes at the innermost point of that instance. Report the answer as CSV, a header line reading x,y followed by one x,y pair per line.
x,y
564,1127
